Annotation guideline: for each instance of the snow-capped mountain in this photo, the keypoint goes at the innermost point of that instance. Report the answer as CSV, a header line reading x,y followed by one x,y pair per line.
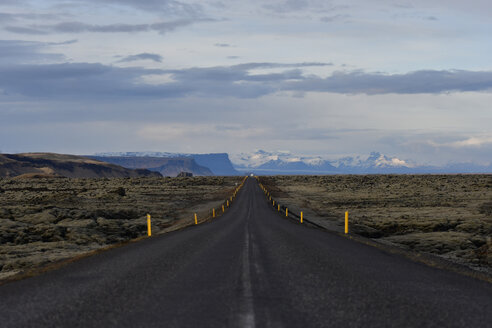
x,y
281,162
284,162
261,157
374,161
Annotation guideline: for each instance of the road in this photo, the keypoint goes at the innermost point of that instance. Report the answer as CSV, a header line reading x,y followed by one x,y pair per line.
x,y
248,268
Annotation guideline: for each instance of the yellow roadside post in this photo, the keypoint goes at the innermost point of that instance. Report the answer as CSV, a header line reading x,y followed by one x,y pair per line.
x,y
301,217
346,222
223,209
227,203
213,212
149,229
286,212
196,220
278,207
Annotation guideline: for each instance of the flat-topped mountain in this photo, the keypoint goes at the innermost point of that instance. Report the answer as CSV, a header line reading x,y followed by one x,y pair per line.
x,y
167,166
217,163
70,166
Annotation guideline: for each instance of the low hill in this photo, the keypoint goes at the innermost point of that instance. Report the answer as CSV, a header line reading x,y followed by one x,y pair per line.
x,y
70,166
164,165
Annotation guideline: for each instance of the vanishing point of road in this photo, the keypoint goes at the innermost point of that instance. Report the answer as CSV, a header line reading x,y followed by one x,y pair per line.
x,y
247,268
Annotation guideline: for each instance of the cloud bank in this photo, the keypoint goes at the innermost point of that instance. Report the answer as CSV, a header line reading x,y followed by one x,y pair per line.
x,y
75,80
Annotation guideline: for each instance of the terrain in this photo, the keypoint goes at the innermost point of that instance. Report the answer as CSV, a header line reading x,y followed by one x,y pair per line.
x,y
250,267
446,215
286,163
217,163
164,165
70,166
43,220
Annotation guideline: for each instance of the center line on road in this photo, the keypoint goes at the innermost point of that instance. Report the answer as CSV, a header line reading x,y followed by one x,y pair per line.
x,y
247,316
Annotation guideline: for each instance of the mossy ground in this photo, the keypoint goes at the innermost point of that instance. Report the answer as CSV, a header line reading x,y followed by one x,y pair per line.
x,y
447,215
46,220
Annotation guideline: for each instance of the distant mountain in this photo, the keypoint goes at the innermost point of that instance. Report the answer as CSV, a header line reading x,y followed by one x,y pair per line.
x,y
70,166
218,163
164,165
283,162
375,163
263,162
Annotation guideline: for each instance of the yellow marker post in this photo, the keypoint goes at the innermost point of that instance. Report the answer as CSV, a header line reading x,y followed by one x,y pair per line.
x,y
227,203
278,207
149,229
301,217
346,222
196,219
274,203
213,212
223,209
287,212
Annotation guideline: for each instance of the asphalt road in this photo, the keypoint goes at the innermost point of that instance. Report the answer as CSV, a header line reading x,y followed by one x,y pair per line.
x,y
248,268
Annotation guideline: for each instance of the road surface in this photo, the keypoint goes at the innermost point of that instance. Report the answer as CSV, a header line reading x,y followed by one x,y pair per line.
x,y
248,268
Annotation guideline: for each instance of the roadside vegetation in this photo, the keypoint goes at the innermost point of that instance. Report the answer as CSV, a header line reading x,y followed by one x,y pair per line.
x,y
44,220
446,215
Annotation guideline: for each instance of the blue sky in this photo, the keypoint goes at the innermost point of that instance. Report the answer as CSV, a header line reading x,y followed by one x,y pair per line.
x,y
411,79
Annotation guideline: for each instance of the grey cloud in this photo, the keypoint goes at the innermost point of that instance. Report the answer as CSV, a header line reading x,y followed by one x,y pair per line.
x,y
223,45
233,57
248,66
62,43
9,17
333,18
4,17
288,6
170,7
24,30
79,27
96,81
143,56
426,81
106,82
17,51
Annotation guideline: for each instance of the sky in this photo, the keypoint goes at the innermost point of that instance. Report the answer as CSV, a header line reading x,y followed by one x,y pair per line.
x,y
411,79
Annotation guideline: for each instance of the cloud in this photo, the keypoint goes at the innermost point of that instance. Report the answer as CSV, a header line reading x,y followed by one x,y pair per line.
x,y
97,81
12,17
79,27
249,66
470,142
170,7
288,6
223,45
425,81
18,51
24,30
333,18
143,56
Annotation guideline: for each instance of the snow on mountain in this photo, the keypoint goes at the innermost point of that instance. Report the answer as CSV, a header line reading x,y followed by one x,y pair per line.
x,y
281,162
375,160
284,162
262,157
